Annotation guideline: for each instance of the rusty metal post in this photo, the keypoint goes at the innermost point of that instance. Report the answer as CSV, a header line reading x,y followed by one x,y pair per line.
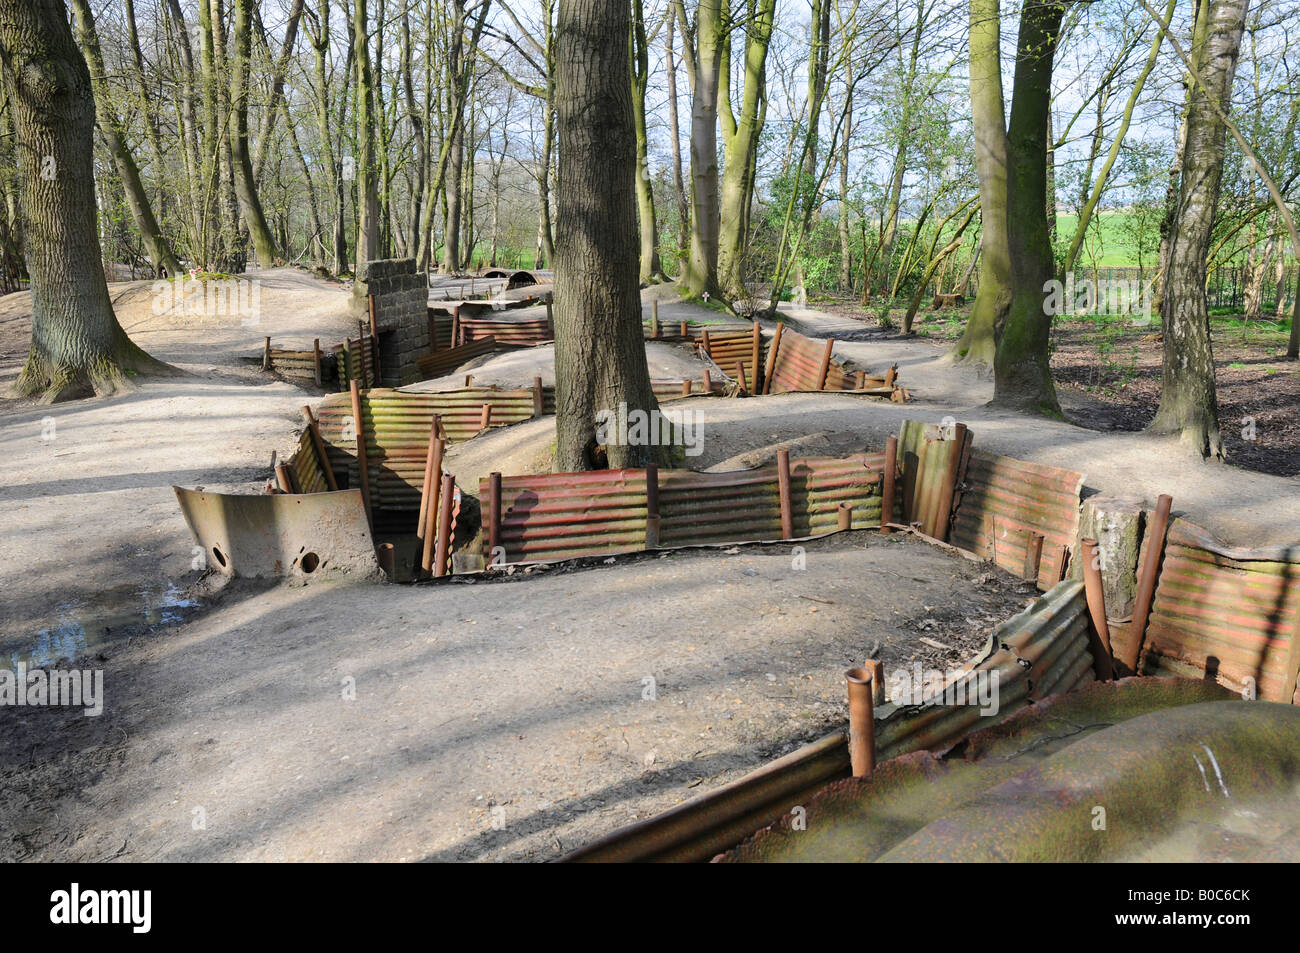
x,y
266,355
860,380
435,499
1100,632
740,376
877,670
284,479
469,380
704,342
1147,581
787,502
1033,556
315,348
363,465
844,516
887,486
686,388
862,723
771,360
427,489
948,490
756,357
686,330
314,429
652,506
455,326
708,384
539,398
387,559
654,318
443,550
825,369
891,375
494,514
485,419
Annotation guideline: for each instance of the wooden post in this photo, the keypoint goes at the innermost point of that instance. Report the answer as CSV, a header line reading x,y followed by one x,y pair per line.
x,y
363,466
783,485
315,347
1100,632
494,514
1147,582
429,478
887,487
435,496
539,398
756,357
266,355
314,429
284,479
652,507
826,364
443,550
771,360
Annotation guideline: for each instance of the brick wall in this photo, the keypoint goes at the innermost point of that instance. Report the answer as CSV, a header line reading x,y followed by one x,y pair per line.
x,y
401,317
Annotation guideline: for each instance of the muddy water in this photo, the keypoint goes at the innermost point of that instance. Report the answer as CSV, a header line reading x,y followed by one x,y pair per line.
x,y
86,625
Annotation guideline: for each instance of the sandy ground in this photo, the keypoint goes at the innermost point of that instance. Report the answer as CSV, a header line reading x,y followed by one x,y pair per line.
x,y
522,695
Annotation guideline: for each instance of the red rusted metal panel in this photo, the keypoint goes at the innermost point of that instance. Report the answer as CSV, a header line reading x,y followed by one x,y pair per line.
x,y
1004,501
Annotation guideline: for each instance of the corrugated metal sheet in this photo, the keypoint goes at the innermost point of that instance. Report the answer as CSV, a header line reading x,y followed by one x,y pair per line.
x,y
356,360
1227,613
308,474
1041,651
1003,501
444,361
798,363
301,365
563,515
508,332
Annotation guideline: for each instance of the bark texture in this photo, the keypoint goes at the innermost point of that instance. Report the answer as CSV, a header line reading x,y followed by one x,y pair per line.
x,y
78,348
600,358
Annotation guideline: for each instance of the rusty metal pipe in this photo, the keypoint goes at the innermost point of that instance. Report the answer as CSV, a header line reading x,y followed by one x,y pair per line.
x,y
485,419
783,484
877,670
435,496
443,550
740,376
708,384
686,388
283,478
862,722
826,364
1147,581
948,490
1100,632
363,465
387,559
887,487
494,513
844,516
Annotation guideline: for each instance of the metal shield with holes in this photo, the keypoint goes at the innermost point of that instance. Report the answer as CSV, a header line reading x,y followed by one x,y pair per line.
x,y
282,534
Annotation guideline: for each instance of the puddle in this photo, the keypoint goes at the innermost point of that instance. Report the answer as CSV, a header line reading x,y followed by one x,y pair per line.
x,y
86,624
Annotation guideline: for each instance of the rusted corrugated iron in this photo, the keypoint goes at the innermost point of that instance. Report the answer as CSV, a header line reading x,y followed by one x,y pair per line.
x,y
308,473
507,332
1226,613
442,362
808,364
563,515
1004,503
1039,652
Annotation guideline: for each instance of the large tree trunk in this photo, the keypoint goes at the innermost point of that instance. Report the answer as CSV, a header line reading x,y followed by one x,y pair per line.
x,y
242,162
993,297
78,348
600,362
1189,405
741,139
1022,377
159,249
701,271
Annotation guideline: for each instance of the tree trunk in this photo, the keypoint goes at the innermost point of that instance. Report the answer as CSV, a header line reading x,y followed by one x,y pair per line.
x,y
701,272
674,133
159,249
978,343
1022,377
367,242
1189,404
651,269
78,348
600,362
245,185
